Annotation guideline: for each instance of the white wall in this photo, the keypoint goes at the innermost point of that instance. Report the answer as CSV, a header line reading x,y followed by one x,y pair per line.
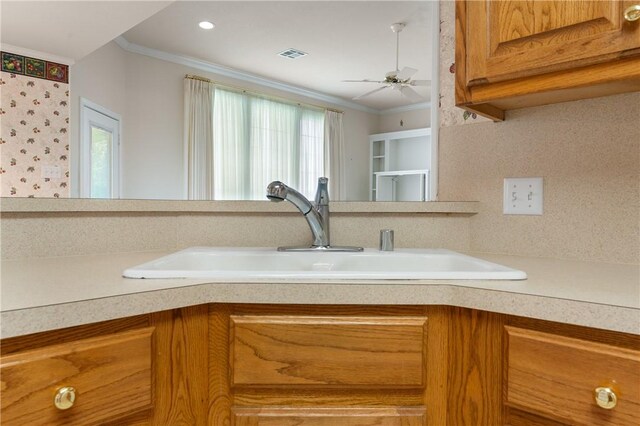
x,y
414,119
149,94
358,126
152,164
99,77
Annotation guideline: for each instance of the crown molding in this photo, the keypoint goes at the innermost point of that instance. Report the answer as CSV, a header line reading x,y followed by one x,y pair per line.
x,y
239,75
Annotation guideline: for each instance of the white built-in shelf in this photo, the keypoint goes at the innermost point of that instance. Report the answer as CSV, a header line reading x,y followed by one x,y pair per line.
x,y
402,172
399,165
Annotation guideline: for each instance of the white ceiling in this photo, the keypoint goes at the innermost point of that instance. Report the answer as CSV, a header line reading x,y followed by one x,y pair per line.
x,y
70,29
344,40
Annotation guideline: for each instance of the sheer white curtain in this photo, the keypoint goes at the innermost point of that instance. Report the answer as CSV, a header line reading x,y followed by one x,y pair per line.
x,y
232,169
198,138
334,154
312,162
258,140
274,145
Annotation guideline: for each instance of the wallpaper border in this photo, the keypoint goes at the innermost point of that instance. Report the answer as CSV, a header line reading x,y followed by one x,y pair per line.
x,y
33,67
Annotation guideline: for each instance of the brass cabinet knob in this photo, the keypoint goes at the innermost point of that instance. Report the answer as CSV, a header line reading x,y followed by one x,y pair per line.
x,y
606,398
65,397
632,13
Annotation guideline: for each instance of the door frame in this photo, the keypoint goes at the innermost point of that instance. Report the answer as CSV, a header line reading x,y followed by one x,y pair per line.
x,y
435,102
84,172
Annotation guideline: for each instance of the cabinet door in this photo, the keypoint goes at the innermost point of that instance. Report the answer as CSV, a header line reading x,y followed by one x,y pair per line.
x,y
513,39
311,416
276,365
327,351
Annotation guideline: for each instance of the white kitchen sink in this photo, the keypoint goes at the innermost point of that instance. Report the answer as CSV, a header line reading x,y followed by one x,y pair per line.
x,y
238,263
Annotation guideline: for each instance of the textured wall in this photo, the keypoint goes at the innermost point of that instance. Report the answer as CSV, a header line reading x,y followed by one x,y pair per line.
x,y
588,153
27,235
34,133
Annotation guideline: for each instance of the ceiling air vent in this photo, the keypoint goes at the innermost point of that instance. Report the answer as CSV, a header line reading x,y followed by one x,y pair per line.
x,y
292,53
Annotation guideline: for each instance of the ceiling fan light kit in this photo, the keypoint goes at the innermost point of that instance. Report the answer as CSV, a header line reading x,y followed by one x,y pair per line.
x,y
398,79
397,27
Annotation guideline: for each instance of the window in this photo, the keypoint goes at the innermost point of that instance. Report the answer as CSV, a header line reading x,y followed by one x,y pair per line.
x,y
258,140
100,152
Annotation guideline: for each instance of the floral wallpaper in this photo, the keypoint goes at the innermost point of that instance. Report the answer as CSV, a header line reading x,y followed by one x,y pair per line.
x,y
450,115
34,136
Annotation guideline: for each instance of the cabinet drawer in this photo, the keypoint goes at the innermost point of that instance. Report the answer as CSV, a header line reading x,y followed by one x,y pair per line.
x,y
556,377
314,351
312,416
111,375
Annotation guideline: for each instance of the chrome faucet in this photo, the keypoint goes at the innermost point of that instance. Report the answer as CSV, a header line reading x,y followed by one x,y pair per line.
x,y
316,213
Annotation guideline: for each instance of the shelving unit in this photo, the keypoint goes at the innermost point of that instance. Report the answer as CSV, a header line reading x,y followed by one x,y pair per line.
x,y
399,165
402,185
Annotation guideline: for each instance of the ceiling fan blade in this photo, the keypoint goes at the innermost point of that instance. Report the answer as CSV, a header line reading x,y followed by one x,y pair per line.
x,y
420,82
362,81
411,94
406,73
370,93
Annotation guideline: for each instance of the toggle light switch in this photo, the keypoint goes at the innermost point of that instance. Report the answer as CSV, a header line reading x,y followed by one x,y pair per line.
x,y
522,196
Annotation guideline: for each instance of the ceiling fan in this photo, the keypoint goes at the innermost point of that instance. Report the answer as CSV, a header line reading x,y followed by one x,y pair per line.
x,y
400,79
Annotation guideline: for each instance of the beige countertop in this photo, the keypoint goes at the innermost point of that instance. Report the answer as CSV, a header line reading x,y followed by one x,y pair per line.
x,y
42,294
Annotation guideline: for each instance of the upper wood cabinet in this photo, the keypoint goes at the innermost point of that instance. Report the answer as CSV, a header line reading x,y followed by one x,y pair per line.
x,y
513,54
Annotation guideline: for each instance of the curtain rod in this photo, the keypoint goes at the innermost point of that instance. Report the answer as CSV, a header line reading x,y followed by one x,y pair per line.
x,y
243,90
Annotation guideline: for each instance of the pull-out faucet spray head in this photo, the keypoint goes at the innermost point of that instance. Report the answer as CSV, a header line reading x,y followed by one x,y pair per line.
x,y
278,191
316,214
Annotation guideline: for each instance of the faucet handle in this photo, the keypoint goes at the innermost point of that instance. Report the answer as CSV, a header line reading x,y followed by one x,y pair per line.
x,y
322,193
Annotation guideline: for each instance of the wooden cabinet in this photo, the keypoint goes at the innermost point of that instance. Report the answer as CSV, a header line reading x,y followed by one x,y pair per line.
x,y
285,365
149,369
512,54
104,378
329,417
327,351
279,365
558,376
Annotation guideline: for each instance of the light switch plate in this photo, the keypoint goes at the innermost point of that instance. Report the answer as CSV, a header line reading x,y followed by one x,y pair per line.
x,y
51,172
522,196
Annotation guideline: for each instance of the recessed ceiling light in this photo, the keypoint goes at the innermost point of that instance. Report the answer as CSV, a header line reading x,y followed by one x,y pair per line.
x,y
206,25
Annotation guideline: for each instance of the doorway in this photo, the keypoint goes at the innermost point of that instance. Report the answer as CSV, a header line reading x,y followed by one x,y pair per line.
x,y
99,151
